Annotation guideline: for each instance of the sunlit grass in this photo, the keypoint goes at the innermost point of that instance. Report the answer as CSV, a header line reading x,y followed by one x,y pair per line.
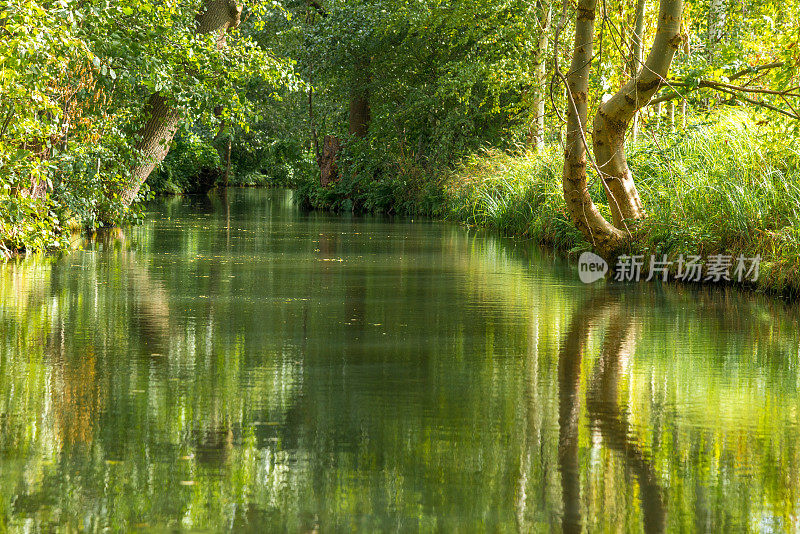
x,y
724,186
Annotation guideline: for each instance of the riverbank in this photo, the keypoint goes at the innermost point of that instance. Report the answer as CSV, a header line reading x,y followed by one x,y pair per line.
x,y
727,186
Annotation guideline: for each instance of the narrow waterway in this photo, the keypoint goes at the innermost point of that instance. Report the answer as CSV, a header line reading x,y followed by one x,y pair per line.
x,y
234,364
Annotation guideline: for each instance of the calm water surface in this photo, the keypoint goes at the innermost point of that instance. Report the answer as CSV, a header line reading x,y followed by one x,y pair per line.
x,y
235,365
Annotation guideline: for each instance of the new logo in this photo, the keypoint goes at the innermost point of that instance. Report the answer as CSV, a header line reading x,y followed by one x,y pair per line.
x,y
591,267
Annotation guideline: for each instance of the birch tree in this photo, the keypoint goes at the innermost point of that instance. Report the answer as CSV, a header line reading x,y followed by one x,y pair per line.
x,y
611,123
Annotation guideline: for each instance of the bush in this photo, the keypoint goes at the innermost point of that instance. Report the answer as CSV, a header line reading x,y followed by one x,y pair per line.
x,y
370,180
192,164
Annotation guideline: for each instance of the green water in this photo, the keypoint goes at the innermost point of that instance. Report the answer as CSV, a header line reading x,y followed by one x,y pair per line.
x,y
236,365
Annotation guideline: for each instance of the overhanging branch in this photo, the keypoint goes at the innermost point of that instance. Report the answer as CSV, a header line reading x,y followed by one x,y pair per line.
x,y
711,84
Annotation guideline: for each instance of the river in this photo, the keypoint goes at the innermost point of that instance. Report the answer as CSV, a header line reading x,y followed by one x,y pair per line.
x,y
236,365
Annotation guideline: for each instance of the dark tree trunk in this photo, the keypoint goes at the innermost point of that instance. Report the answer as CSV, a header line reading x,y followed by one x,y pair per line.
x,y
154,138
359,101
163,117
329,170
359,115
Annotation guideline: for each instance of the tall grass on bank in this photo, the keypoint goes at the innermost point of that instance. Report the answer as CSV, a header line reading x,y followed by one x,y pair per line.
x,y
724,186
727,187
517,195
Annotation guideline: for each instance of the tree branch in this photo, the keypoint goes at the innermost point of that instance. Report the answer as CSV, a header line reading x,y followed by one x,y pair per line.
x,y
735,90
753,70
706,83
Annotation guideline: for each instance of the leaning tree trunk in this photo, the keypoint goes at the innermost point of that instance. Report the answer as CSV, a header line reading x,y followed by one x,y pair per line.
x,y
163,118
614,115
610,124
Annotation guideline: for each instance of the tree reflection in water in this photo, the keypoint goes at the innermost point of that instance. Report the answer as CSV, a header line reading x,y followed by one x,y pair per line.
x,y
249,365
603,406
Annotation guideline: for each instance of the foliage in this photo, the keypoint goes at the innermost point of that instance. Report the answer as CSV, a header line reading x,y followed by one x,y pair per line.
x,y
191,156
728,185
372,181
74,78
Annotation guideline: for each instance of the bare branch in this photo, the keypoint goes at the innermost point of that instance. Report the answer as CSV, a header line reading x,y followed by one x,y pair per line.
x,y
753,70
750,70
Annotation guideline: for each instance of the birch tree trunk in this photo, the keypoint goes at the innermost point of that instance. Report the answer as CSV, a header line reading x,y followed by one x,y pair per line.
x,y
163,117
613,117
605,237
716,26
610,125
543,15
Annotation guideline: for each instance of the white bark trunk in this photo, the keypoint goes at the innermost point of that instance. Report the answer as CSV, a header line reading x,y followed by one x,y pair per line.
x,y
717,12
610,125
543,14
613,117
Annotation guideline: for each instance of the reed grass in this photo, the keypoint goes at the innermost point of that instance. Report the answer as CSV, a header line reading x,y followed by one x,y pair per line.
x,y
724,185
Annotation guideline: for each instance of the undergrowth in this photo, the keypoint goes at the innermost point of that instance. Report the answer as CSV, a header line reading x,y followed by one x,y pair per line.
x,y
723,185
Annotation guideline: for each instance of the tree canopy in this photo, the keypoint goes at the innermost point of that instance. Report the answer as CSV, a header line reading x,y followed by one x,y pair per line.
x,y
409,88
